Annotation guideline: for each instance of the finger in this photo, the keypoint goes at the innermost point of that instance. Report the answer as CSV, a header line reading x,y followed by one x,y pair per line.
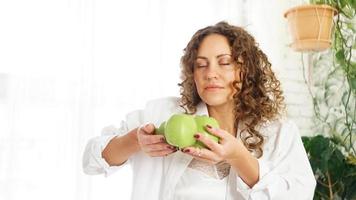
x,y
161,153
149,128
216,131
202,155
151,139
158,147
142,129
211,144
204,160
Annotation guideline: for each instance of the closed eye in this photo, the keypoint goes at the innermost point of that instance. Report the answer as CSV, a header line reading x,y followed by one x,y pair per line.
x,y
201,66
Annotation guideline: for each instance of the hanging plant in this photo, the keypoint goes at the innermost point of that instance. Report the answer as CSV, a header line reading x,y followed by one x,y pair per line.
x,y
331,149
311,26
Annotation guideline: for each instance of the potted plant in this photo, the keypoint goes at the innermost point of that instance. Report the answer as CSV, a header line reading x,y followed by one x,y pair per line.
x,y
311,26
331,148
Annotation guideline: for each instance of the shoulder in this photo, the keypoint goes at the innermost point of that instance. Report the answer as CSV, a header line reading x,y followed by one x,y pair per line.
x,y
277,126
279,134
278,130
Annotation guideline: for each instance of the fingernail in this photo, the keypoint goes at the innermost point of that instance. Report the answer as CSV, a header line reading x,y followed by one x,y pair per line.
x,y
171,147
209,126
186,150
196,136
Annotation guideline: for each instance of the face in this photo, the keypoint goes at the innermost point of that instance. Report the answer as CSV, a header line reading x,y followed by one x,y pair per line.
x,y
215,71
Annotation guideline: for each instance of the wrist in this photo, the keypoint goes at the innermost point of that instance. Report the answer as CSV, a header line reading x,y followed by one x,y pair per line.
x,y
238,154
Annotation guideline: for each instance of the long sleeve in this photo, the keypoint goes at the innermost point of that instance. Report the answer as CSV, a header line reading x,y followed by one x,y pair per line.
x,y
93,162
285,172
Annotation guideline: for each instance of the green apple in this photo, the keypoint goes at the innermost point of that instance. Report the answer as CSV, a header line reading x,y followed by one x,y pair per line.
x,y
179,130
201,122
160,130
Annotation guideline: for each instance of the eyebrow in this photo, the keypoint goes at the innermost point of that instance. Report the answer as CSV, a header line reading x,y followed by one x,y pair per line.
x,y
218,56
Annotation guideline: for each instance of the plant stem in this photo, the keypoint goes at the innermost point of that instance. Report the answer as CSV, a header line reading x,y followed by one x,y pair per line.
x,y
315,106
343,45
323,184
315,102
329,185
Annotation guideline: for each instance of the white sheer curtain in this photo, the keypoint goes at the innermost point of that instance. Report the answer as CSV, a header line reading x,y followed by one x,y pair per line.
x,y
69,68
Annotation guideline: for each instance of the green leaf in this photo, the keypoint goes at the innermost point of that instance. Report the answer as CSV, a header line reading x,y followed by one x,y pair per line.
x,y
344,98
351,191
337,165
319,152
325,157
318,144
306,143
351,159
353,83
343,3
340,56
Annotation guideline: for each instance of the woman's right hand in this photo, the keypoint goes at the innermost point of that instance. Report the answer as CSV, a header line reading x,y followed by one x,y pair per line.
x,y
152,144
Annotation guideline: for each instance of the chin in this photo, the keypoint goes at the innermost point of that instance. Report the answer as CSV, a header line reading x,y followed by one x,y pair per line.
x,y
215,100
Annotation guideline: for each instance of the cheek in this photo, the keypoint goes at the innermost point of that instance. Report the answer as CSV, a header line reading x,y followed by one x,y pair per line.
x,y
231,78
197,81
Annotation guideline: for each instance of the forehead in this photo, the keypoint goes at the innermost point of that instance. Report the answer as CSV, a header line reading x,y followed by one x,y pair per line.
x,y
214,44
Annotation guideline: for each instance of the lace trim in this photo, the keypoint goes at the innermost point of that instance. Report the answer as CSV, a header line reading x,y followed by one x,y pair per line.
x,y
217,171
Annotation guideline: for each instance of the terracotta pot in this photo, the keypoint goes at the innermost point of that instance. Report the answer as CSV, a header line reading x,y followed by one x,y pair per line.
x,y
311,26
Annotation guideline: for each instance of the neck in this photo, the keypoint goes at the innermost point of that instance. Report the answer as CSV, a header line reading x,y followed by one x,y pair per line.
x,y
224,114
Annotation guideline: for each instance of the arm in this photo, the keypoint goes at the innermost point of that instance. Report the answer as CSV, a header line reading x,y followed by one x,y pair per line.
x,y
285,173
107,153
246,166
93,160
120,148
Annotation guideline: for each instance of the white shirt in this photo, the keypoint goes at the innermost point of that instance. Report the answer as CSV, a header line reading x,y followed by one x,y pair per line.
x,y
284,168
195,184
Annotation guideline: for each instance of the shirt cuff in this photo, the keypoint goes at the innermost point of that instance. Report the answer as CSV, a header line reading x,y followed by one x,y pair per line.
x,y
97,151
245,190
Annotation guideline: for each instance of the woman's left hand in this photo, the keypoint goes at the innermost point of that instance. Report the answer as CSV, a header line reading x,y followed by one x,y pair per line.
x,y
227,149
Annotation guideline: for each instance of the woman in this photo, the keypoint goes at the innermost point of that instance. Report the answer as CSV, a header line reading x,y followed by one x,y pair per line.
x,y
260,154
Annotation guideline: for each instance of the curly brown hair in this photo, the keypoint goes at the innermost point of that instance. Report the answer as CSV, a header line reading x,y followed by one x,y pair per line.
x,y
259,96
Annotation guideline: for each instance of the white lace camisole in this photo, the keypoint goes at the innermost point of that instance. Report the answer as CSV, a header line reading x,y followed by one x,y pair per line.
x,y
202,180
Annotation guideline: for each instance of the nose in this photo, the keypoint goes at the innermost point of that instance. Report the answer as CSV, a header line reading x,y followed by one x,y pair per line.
x,y
211,72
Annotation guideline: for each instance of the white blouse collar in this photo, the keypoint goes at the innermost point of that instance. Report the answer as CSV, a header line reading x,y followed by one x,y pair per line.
x,y
202,109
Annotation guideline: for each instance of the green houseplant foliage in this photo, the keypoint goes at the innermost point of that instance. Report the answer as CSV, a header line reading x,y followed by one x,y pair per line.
x,y
335,173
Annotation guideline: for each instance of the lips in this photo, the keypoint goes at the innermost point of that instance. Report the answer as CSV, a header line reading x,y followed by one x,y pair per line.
x,y
212,87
